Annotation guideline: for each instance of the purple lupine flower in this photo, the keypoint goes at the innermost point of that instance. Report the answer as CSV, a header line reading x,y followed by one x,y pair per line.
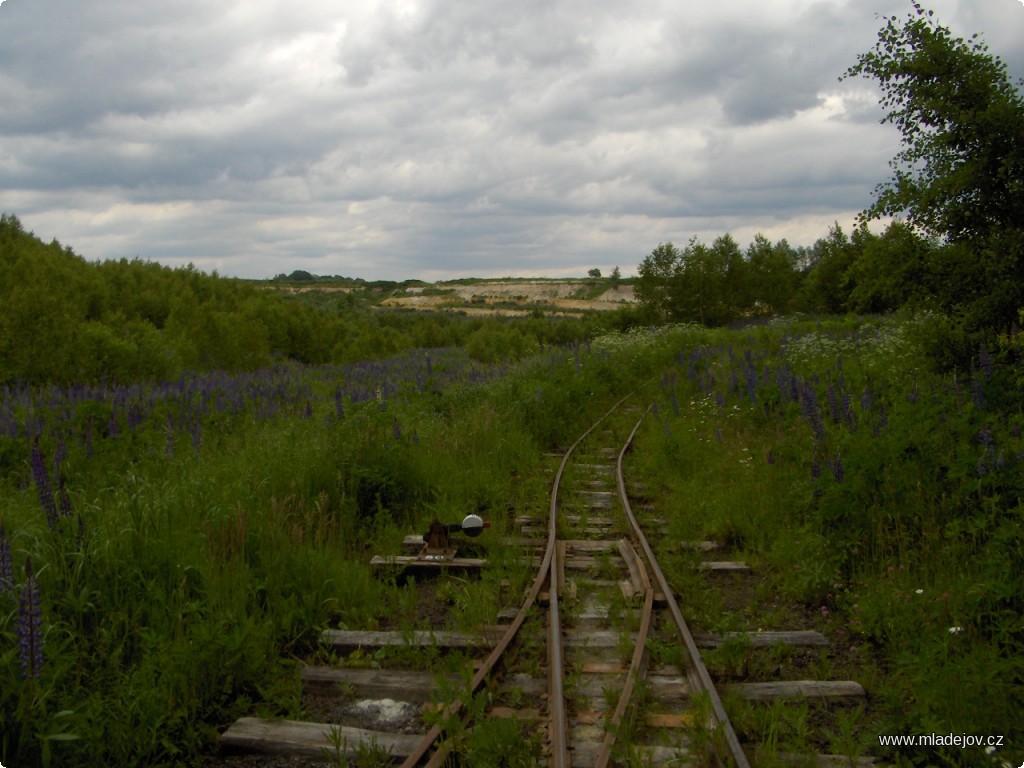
x,y
42,479
6,564
833,403
396,431
30,626
846,407
985,361
809,409
985,436
794,388
750,374
339,405
815,470
135,416
837,468
675,402
977,394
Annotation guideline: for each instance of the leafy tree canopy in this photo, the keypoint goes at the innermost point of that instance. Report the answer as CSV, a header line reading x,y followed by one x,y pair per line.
x,y
960,172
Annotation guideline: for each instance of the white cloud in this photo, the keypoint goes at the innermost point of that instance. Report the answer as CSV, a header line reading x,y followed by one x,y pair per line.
x,y
406,138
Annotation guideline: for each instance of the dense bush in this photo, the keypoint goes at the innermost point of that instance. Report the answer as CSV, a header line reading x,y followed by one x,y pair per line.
x,y
68,321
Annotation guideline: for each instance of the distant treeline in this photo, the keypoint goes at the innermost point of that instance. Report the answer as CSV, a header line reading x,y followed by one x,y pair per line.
x,y
65,320
862,273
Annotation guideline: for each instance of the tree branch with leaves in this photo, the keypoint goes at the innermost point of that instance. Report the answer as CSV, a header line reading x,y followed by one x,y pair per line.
x,y
959,174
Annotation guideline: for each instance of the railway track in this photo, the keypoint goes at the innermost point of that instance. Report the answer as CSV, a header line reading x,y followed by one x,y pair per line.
x,y
597,604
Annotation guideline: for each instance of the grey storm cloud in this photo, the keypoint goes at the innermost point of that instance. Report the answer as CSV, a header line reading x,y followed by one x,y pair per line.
x,y
421,138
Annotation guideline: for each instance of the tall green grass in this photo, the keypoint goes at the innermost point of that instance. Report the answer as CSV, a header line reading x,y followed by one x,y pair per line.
x,y
185,576
871,490
185,573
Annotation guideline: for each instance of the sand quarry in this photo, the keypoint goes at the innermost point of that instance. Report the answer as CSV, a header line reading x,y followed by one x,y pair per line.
x,y
516,297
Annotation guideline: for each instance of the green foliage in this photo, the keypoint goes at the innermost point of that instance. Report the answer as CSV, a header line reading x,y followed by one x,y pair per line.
x,y
67,321
958,180
960,172
204,548
715,285
874,491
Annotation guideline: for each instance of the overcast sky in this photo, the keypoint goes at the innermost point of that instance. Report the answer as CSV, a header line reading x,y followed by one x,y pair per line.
x,y
435,139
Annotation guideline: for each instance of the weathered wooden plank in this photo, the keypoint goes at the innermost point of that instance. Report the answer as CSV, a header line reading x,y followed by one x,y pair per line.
x,y
827,761
567,562
701,546
629,556
352,639
402,685
668,688
669,719
572,519
725,566
413,562
590,545
610,638
652,719
627,589
591,638
508,713
802,638
793,689
290,737
590,530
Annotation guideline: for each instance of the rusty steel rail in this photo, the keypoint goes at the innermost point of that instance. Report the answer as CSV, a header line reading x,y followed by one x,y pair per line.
x,y
558,733
547,572
637,665
698,671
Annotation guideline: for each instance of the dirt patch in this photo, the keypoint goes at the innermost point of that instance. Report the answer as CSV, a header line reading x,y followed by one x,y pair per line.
x,y
514,297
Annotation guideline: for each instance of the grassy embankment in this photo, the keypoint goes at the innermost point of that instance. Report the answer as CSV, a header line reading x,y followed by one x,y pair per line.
x,y
168,549
878,502
199,536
